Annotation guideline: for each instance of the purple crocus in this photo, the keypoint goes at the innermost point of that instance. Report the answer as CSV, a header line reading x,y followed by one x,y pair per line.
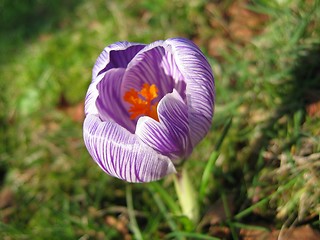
x,y
147,107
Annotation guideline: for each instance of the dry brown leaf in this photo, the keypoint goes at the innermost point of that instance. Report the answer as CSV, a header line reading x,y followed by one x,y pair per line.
x,y
313,109
220,232
216,214
215,46
244,24
75,112
250,234
6,197
120,224
295,233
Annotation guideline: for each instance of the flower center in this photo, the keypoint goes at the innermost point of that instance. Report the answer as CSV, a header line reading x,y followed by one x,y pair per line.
x,y
141,102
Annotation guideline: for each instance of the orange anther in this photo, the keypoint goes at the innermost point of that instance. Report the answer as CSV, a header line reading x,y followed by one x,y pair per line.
x,y
141,102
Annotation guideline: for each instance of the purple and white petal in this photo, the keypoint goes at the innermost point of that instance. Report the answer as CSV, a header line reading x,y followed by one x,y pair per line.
x,y
91,97
116,55
110,101
185,84
121,154
170,136
199,79
154,65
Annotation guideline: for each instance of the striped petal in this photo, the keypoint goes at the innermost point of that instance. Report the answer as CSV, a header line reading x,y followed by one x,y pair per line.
x,y
170,136
153,65
199,79
91,97
186,95
121,154
116,55
110,101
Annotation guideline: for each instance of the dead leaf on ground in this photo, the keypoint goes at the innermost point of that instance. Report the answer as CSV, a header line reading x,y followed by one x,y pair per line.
x,y
254,234
244,24
295,233
237,23
120,224
220,232
216,214
216,45
313,109
6,197
75,112
6,204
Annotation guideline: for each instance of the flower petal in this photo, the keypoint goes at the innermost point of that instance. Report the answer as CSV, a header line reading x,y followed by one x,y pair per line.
x,y
170,136
116,55
91,97
153,65
121,154
198,76
110,102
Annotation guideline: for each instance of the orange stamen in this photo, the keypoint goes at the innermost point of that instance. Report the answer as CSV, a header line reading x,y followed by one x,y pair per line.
x,y
141,101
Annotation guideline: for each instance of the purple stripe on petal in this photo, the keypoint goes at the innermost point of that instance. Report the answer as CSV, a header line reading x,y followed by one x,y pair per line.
x,y
170,68
154,65
170,136
185,86
109,102
121,154
146,68
200,84
116,55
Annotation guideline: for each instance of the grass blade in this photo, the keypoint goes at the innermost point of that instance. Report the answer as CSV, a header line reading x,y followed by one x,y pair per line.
x,y
174,235
158,200
155,187
212,160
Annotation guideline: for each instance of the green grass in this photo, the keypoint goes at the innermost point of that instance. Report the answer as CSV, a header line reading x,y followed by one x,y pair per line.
x,y
260,158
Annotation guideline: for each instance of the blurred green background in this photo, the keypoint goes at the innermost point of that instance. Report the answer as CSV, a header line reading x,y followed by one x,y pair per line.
x,y
261,158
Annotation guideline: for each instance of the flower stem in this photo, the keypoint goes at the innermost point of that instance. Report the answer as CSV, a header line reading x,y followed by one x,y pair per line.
x,y
133,222
187,196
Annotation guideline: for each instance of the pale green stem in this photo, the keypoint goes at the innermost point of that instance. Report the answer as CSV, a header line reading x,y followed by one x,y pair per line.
x,y
133,222
187,195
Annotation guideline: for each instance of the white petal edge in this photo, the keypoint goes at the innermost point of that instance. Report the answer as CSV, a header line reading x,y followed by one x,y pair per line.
x,y
104,57
101,62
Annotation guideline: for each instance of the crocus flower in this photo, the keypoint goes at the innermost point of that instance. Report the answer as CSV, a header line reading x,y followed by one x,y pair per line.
x,y
147,107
